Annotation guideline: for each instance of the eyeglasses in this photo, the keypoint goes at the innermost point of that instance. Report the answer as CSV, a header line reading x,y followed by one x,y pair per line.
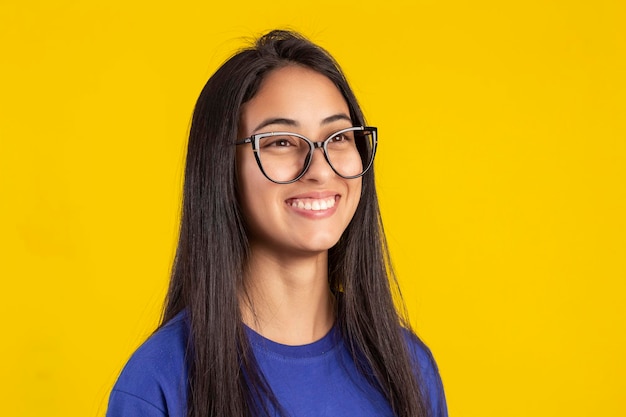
x,y
284,157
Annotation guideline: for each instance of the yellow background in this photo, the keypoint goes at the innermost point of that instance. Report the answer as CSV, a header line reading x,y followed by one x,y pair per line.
x,y
502,174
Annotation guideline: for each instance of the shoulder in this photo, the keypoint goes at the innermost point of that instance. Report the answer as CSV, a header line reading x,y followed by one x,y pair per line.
x,y
420,353
154,380
430,380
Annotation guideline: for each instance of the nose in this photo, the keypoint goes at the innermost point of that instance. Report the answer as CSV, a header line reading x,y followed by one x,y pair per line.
x,y
319,170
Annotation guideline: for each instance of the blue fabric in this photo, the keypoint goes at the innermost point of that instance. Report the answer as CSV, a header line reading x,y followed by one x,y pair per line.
x,y
314,380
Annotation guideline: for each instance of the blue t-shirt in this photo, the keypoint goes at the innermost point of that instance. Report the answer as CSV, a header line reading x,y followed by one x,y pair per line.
x,y
314,380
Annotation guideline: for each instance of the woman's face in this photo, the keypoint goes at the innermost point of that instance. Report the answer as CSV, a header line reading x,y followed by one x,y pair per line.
x,y
309,215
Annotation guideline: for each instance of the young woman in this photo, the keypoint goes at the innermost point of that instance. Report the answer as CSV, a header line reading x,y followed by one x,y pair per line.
x,y
281,297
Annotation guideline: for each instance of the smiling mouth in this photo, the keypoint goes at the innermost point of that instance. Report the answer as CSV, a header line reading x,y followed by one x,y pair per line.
x,y
313,204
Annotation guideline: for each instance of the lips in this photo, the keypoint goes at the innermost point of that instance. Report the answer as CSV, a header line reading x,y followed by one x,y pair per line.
x,y
312,204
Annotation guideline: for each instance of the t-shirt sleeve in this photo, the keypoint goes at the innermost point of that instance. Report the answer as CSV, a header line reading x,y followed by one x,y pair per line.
x,y
125,404
432,386
154,381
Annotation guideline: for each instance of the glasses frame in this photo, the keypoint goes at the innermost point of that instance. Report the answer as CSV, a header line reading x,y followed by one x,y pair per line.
x,y
254,141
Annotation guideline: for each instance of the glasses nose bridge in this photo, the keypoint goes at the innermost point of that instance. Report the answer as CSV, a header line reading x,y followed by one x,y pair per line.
x,y
314,146
321,146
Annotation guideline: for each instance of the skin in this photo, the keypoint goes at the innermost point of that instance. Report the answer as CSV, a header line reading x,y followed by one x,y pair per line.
x,y
287,298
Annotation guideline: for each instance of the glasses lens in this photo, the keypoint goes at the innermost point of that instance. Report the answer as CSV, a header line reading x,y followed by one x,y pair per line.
x,y
351,152
283,156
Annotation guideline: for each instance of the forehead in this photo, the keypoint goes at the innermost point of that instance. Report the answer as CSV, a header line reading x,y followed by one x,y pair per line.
x,y
294,93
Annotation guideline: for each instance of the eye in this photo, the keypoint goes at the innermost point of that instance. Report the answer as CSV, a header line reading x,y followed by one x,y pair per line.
x,y
280,141
342,137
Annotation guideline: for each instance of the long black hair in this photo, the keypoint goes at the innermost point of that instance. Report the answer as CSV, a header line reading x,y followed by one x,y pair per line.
x,y
208,270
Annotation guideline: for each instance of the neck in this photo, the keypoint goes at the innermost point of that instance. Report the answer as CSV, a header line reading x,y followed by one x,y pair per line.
x,y
287,298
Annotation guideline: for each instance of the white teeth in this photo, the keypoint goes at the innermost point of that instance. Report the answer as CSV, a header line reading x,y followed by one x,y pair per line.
x,y
315,205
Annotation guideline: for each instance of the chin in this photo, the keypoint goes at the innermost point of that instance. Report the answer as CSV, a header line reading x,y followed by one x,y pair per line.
x,y
317,247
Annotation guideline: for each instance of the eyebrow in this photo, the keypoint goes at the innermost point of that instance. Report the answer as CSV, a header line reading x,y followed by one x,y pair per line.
x,y
294,123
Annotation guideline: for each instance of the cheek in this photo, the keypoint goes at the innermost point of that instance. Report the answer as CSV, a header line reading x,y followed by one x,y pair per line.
x,y
255,192
354,166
